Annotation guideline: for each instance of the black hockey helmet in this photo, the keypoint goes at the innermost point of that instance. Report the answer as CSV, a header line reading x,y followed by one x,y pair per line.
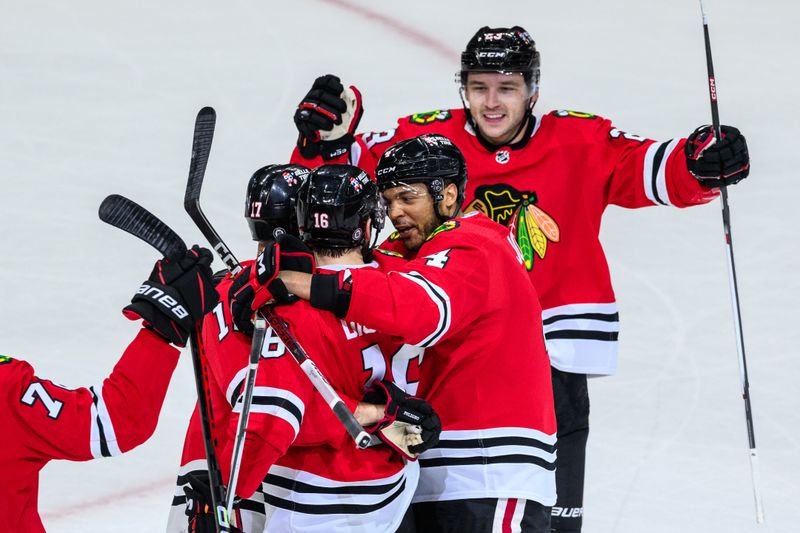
x,y
334,206
502,50
431,159
271,197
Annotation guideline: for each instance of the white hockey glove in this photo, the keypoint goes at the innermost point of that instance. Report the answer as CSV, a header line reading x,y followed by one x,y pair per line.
x,y
409,426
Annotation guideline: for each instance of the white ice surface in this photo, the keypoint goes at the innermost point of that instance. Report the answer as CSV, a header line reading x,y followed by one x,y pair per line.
x,y
100,97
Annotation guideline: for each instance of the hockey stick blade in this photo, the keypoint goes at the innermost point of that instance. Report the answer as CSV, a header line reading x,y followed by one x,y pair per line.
x,y
204,126
129,216
191,203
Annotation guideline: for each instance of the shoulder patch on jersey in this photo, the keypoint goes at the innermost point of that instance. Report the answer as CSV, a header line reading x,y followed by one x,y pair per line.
x,y
447,226
391,253
614,133
4,359
563,113
437,115
395,236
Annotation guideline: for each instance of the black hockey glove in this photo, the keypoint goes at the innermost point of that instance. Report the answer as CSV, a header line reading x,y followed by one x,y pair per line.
x,y
175,297
327,118
198,507
258,284
332,292
409,425
717,161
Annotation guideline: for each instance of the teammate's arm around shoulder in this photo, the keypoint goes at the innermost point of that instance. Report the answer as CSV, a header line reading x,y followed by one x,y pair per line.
x,y
420,303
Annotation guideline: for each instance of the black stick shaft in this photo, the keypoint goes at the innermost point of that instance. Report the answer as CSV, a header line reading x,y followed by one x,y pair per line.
x,y
214,473
201,147
733,283
129,216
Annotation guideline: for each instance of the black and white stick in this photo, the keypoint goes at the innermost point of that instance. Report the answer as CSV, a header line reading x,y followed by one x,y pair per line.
x,y
204,132
737,315
259,334
129,216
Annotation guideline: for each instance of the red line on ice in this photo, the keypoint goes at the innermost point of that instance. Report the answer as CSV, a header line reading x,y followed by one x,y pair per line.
x,y
404,30
109,499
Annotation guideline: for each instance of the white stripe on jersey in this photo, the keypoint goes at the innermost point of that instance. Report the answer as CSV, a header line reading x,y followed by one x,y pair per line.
x,y
236,383
661,179
442,301
280,403
647,172
654,172
489,463
301,501
103,439
355,154
582,338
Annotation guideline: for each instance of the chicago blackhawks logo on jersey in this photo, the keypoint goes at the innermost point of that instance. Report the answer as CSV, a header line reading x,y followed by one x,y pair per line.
x,y
4,359
439,115
530,224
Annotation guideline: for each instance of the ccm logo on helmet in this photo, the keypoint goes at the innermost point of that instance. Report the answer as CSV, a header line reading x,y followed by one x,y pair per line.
x,y
386,170
492,54
164,299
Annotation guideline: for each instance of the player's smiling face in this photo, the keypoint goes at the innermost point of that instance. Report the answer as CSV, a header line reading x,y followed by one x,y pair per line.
x,y
410,208
498,103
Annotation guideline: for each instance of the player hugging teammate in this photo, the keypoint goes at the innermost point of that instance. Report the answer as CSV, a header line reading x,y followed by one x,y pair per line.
x,y
548,178
462,343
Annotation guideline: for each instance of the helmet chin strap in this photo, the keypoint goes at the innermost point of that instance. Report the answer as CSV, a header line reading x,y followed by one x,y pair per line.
x,y
486,143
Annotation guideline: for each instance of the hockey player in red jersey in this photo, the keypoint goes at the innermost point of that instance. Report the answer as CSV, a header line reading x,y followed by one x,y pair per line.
x,y
43,421
270,211
300,470
549,178
464,296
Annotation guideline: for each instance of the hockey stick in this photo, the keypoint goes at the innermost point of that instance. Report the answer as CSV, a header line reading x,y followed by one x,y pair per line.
x,y
129,216
204,133
256,346
191,203
734,287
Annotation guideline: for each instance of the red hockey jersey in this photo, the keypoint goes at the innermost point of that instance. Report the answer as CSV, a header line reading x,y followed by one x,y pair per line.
x,y
551,190
43,421
467,300
298,464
